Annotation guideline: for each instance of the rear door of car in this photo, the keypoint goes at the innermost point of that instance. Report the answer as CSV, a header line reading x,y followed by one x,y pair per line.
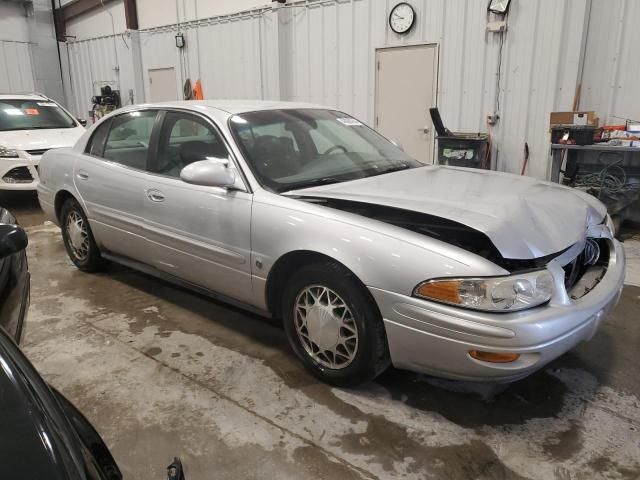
x,y
197,233
110,177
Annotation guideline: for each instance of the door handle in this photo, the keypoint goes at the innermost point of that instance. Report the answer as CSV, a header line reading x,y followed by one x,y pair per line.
x,y
155,195
82,175
424,130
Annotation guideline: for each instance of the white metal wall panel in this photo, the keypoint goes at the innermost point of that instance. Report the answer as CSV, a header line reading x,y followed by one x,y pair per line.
x,y
333,47
234,56
611,68
95,63
324,52
16,72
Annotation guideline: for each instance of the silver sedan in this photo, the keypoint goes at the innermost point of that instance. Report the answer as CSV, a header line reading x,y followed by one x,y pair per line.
x,y
303,213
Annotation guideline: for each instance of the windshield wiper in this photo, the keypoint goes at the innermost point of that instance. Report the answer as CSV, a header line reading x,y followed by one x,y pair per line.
x,y
397,168
317,182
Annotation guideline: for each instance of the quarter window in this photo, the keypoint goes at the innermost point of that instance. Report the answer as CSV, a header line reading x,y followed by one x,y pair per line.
x,y
129,138
185,139
96,144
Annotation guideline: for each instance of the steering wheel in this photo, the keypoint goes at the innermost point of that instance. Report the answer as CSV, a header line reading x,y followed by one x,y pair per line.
x,y
335,147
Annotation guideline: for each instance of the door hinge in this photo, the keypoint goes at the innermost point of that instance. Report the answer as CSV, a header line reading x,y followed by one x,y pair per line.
x,y
378,65
377,121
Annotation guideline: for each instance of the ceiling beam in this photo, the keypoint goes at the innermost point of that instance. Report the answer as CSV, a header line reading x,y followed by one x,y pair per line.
x,y
131,14
79,7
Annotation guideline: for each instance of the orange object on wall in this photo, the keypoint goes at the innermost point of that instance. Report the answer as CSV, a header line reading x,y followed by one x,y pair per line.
x,y
197,91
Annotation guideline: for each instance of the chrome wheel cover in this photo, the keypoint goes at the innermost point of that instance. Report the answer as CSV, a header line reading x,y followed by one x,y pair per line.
x,y
77,235
326,327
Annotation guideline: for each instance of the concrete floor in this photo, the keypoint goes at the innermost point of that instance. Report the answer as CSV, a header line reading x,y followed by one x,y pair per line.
x,y
163,372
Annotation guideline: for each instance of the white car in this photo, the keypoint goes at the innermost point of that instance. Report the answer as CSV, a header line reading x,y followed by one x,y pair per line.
x,y
29,126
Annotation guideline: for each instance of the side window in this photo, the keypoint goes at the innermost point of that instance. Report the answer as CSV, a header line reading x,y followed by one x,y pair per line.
x,y
128,139
185,139
95,146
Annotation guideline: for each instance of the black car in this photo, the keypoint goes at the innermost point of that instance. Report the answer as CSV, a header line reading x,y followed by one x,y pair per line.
x,y
42,435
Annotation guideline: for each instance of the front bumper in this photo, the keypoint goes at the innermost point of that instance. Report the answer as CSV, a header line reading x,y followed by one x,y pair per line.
x,y
435,339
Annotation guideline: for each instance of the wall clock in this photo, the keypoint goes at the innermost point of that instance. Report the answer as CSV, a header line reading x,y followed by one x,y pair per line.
x,y
402,18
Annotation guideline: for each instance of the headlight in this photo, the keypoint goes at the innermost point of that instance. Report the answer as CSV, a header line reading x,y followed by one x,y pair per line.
x,y
6,152
496,294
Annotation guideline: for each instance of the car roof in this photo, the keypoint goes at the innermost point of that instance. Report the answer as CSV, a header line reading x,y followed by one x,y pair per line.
x,y
233,107
22,96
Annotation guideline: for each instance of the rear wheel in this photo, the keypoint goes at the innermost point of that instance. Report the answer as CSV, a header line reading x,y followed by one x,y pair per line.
x,y
334,326
78,238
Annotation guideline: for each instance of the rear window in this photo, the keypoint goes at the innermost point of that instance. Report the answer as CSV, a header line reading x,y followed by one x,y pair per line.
x,y
33,115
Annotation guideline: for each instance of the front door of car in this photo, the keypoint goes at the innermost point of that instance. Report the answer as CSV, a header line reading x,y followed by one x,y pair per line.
x,y
197,233
110,178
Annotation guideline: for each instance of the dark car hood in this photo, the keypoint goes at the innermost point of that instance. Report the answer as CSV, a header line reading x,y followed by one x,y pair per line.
x,y
523,217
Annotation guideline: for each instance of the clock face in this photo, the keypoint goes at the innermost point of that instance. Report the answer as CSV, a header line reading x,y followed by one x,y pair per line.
x,y
402,18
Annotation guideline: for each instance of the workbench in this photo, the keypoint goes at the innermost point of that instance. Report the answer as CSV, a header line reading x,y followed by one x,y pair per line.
x,y
610,173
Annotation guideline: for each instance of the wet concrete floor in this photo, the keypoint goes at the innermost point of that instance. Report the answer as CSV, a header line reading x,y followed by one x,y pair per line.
x,y
161,372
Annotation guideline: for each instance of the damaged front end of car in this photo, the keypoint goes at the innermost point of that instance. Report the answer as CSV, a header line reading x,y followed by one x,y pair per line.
x,y
529,283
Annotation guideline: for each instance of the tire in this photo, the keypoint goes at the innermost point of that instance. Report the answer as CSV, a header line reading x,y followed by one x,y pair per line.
x,y
325,303
80,244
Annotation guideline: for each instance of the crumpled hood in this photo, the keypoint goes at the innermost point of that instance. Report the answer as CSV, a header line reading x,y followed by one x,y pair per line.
x,y
41,139
523,217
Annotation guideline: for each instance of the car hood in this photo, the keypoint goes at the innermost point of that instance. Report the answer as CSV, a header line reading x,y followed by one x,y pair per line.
x,y
524,218
41,139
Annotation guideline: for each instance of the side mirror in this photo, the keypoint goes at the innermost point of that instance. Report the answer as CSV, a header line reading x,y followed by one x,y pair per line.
x,y
209,173
12,239
82,122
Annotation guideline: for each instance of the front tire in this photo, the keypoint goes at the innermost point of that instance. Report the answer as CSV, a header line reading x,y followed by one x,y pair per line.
x,y
78,238
334,325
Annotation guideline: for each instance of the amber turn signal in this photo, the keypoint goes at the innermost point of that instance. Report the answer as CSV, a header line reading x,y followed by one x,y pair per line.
x,y
494,357
444,291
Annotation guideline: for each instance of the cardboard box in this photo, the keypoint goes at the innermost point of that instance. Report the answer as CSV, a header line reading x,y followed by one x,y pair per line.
x,y
573,118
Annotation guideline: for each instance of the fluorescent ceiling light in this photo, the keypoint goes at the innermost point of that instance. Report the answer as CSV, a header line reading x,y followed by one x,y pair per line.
x,y
499,6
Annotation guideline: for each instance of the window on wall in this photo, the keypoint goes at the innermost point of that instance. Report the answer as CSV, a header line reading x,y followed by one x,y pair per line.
x,y
185,139
129,138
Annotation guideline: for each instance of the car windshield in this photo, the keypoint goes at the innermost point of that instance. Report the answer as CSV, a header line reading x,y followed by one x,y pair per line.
x,y
299,148
32,115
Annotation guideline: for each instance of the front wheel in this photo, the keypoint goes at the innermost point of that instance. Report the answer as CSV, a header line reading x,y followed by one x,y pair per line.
x,y
78,238
334,326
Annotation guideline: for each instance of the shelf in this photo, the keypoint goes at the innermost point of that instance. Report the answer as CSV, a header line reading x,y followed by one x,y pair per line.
x,y
594,148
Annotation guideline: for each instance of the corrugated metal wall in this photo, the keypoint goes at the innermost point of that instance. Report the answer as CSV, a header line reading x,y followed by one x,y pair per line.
x,y
95,63
16,70
333,49
612,67
323,51
235,56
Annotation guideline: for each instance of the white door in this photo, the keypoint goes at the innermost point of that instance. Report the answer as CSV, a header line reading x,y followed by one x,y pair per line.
x,y
405,90
162,84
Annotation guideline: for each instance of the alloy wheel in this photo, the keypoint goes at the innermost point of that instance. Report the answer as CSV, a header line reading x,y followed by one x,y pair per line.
x,y
326,327
77,235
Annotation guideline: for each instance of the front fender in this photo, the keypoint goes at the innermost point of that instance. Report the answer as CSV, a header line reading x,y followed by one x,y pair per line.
x,y
380,255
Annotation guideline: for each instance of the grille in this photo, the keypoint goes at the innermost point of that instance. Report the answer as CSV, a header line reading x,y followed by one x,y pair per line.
x,y
18,175
37,152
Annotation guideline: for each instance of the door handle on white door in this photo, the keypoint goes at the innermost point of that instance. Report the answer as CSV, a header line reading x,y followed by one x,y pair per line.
x,y
155,195
424,130
82,175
